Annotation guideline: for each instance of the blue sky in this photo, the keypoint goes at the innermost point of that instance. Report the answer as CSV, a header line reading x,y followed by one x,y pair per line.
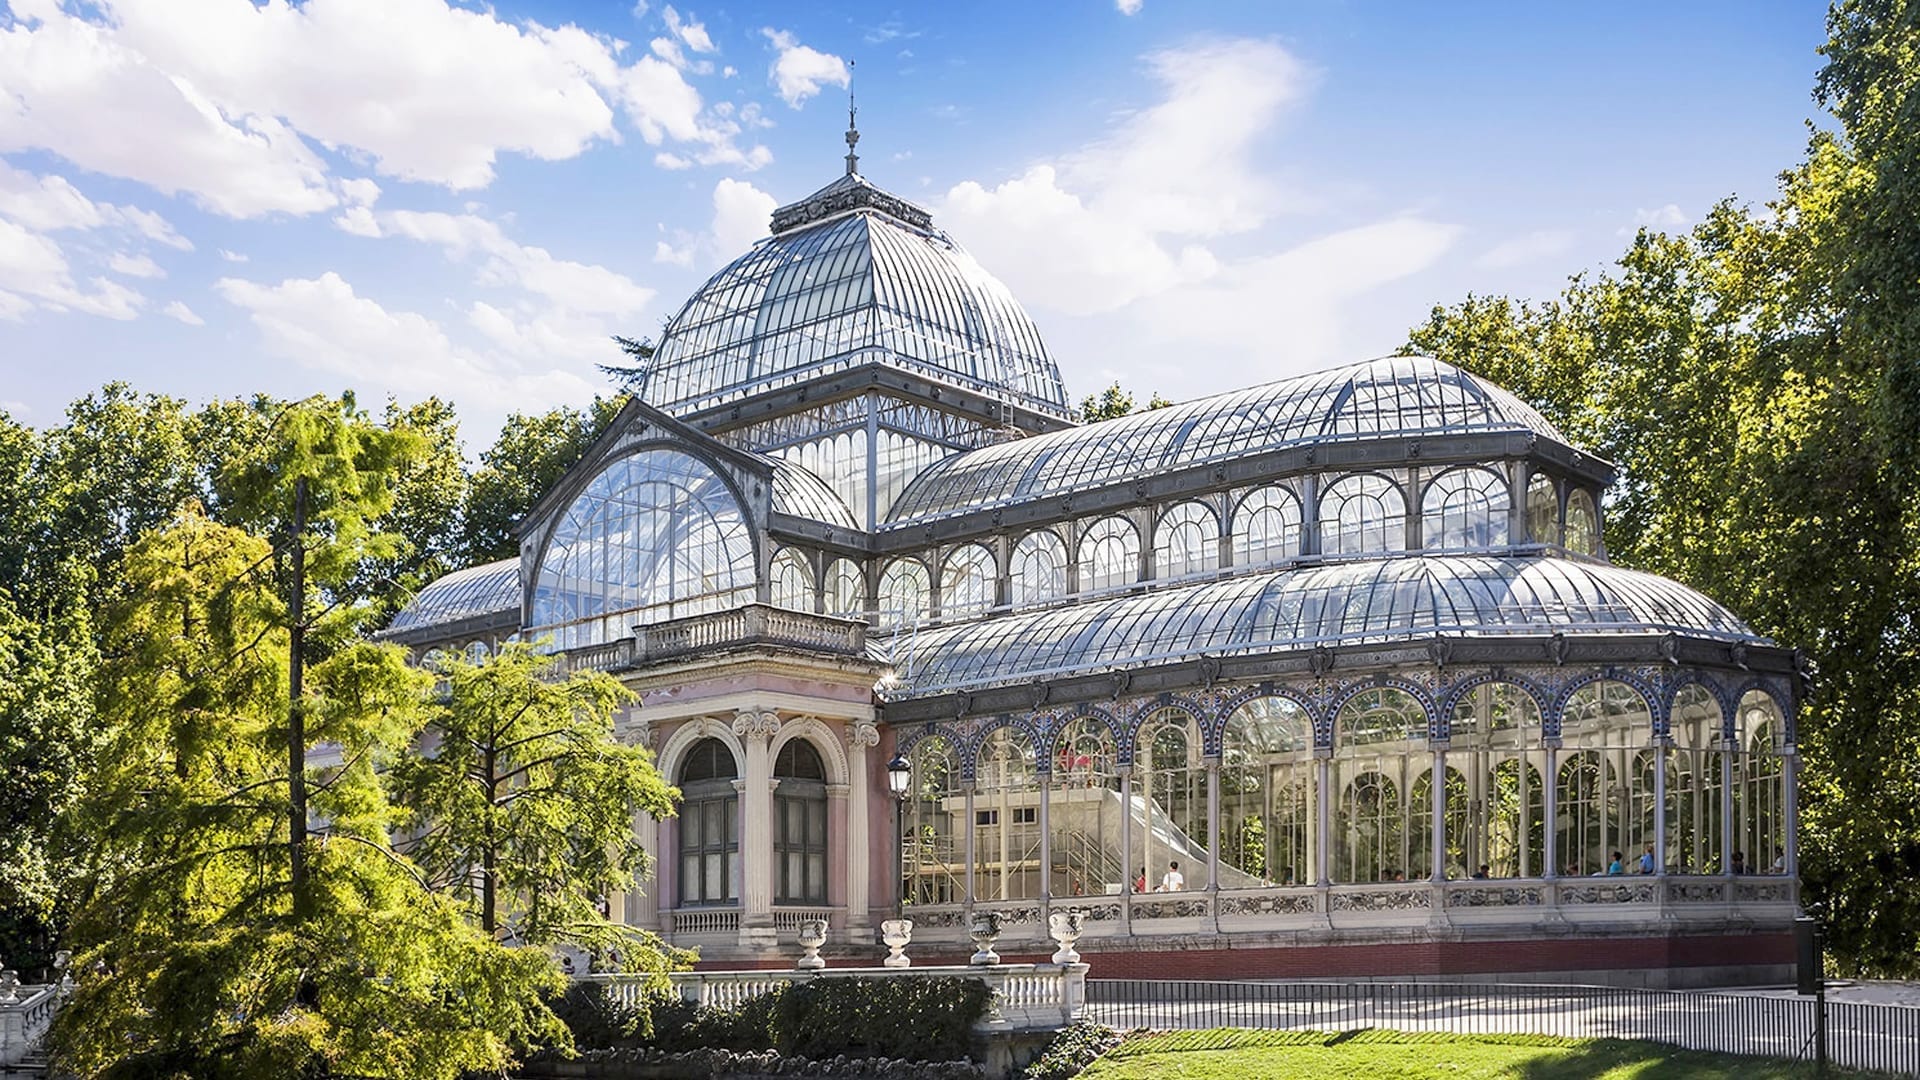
x,y
404,197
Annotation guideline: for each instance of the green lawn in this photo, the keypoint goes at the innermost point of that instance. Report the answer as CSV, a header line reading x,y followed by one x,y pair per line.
x,y
1389,1055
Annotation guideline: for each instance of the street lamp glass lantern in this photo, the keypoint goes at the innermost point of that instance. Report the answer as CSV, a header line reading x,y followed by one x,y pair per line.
x,y
899,776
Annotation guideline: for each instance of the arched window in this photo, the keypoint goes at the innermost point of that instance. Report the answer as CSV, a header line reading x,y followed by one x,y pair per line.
x,y
1083,811
1109,555
846,589
709,825
1267,832
1465,508
1186,541
1039,568
1543,510
792,584
799,825
1760,800
1603,727
1420,826
1583,523
966,582
903,594
1693,831
655,535
933,859
1266,527
1496,744
1361,514
1006,819
1379,749
1169,771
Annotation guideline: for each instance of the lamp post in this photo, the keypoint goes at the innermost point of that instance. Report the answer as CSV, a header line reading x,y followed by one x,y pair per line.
x,y
899,780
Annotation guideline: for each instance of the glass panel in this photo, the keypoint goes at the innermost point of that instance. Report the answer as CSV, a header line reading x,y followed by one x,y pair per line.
x,y
1006,853
904,594
792,585
1109,555
1267,799
967,581
1186,541
1039,570
1543,510
846,589
1170,804
1380,749
478,590
1465,508
1496,746
1362,514
1760,800
1083,813
1266,527
932,859
1583,524
1602,781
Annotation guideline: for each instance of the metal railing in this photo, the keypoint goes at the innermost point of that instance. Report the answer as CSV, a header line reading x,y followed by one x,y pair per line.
x,y
1859,1035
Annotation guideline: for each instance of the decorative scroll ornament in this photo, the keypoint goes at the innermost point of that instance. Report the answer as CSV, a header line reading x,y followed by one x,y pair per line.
x,y
862,733
753,724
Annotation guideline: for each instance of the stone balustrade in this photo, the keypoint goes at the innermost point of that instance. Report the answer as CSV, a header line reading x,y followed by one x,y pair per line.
x,y
24,1020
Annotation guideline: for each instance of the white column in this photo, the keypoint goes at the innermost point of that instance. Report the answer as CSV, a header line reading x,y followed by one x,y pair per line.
x,y
1126,849
966,786
642,904
1438,872
756,730
1213,824
860,736
1792,829
1323,816
1046,840
1660,747
1726,807
1550,792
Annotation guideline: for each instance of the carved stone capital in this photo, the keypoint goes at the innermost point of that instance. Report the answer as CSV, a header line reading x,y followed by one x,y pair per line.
x,y
756,724
862,734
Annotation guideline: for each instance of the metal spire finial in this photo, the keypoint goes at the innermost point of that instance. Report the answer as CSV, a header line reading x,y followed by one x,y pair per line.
x,y
853,130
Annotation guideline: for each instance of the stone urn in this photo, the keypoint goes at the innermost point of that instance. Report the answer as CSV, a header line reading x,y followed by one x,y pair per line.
x,y
9,987
896,933
984,932
63,963
1064,927
813,934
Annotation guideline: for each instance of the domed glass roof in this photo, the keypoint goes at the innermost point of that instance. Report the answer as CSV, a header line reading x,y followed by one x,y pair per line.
x,y
487,589
1374,600
852,276
1385,398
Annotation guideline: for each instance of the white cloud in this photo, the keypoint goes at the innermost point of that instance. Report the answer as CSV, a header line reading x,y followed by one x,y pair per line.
x,y
799,71
232,256
360,192
1127,7
51,203
691,32
664,252
34,272
359,221
321,323
1526,248
221,100
177,310
131,265
741,215
1669,216
571,286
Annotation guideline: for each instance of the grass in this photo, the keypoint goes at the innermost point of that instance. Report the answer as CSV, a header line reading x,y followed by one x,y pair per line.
x,y
1230,1054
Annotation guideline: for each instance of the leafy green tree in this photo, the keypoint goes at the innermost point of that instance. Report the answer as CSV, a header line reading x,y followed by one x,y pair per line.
x,y
195,959
523,464
631,377
1112,403
523,801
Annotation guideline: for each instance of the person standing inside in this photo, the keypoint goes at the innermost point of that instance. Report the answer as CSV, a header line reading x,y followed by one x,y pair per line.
x,y
1173,880
1647,865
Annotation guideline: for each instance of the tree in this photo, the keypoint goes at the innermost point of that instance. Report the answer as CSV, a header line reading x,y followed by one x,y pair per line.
x,y
631,377
523,464
1112,403
195,960
523,801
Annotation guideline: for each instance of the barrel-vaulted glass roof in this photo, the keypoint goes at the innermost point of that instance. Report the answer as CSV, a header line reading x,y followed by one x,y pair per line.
x,y
1392,396
853,289
488,589
799,492
1345,603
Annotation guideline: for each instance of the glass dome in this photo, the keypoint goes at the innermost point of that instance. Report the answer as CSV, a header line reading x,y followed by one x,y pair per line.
x,y
833,291
1339,604
487,589
1392,396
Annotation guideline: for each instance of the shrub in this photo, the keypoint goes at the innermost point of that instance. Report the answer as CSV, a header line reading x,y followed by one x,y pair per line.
x,y
598,1020
1071,1049
918,1017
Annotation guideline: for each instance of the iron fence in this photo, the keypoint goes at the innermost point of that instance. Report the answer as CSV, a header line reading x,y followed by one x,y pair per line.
x,y
1860,1036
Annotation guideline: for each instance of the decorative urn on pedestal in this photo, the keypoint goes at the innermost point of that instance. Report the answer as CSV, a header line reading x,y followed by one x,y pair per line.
x,y
813,934
1064,927
896,933
984,932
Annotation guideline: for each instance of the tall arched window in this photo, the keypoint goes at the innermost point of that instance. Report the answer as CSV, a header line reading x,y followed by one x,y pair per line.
x,y
1109,554
1361,514
1543,510
1496,744
1693,830
1039,571
967,579
1186,541
1267,832
1083,810
1603,728
1760,800
1169,772
654,535
709,825
1420,825
903,594
1266,527
792,584
1465,508
1379,747
933,858
1006,819
1583,523
799,825
846,589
